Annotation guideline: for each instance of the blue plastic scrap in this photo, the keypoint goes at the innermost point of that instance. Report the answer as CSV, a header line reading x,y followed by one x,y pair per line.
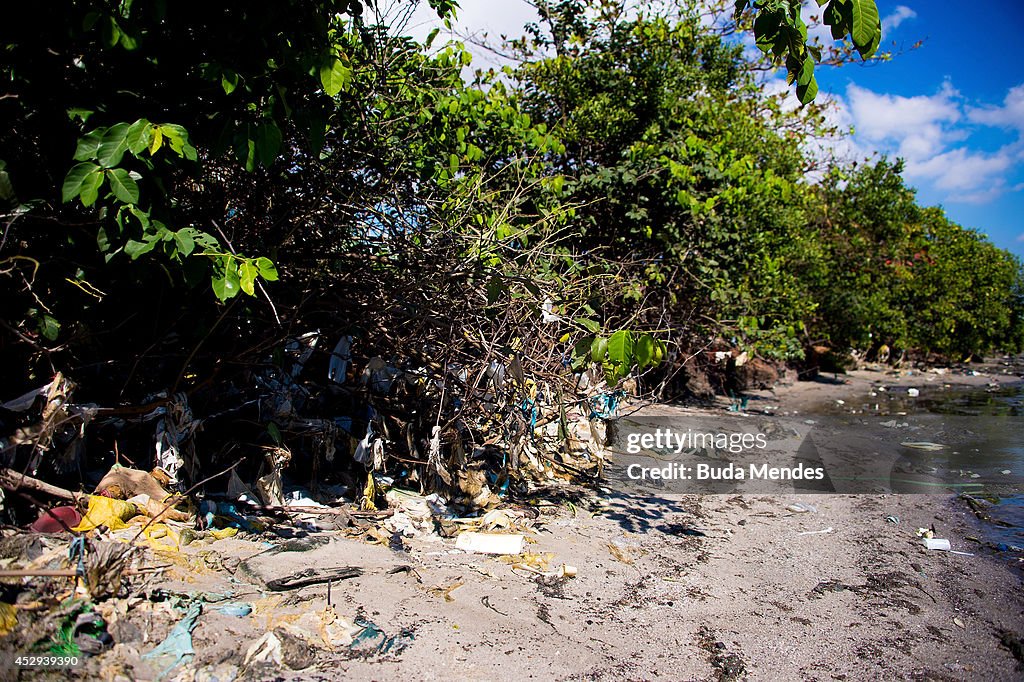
x,y
177,646
605,405
372,638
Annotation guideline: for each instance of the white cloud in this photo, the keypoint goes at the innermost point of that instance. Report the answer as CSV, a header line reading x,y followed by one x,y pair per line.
x,y
932,134
898,16
1009,115
918,125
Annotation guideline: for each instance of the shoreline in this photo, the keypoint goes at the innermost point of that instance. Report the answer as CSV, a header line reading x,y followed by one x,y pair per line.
x,y
676,587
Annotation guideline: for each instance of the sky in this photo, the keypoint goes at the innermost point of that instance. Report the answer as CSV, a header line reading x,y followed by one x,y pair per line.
x,y
953,108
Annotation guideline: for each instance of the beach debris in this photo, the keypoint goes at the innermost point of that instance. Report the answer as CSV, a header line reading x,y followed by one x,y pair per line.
x,y
177,646
490,543
913,392
373,639
619,554
312,576
923,445
56,520
893,519
235,609
936,543
267,649
802,508
925,533
446,591
830,529
959,623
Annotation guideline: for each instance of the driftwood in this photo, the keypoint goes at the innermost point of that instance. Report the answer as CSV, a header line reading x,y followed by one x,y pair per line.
x,y
15,480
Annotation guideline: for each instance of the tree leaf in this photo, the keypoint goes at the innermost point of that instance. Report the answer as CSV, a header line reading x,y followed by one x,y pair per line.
x,y
113,145
88,145
268,143
266,268
807,93
247,277
599,349
123,186
645,350
134,248
226,285
139,135
620,347
591,326
184,241
49,327
334,76
865,22
90,190
73,181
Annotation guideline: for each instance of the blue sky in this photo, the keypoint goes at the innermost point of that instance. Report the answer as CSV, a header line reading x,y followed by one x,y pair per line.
x,y
953,108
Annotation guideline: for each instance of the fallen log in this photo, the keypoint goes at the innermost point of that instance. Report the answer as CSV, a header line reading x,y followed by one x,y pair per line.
x,y
15,480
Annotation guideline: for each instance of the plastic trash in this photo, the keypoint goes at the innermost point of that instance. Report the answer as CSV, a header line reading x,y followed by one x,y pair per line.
x,y
47,524
267,649
177,647
936,543
913,392
893,519
490,543
235,609
802,508
106,511
923,445
341,358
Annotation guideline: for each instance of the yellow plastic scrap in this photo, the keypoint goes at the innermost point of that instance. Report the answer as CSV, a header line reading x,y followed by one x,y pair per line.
x,y
8,619
106,511
221,533
369,493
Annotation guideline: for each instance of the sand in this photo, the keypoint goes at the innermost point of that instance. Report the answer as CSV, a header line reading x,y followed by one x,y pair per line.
x,y
682,587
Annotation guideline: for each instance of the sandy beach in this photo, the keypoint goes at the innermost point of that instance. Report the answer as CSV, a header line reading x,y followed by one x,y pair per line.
x,y
675,587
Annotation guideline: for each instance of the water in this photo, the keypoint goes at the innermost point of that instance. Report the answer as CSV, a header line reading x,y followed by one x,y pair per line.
x,y
994,445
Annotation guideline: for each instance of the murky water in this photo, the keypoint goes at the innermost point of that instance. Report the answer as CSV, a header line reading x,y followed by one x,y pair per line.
x,y
995,446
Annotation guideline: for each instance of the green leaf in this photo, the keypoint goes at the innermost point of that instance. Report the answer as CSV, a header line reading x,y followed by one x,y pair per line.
x,y
139,135
247,277
103,240
177,138
229,81
807,93
113,145
334,76
184,241
591,326
266,269
620,347
226,285
75,178
90,190
645,350
865,22
274,432
599,349
268,143
134,248
123,186
806,71
49,327
88,145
